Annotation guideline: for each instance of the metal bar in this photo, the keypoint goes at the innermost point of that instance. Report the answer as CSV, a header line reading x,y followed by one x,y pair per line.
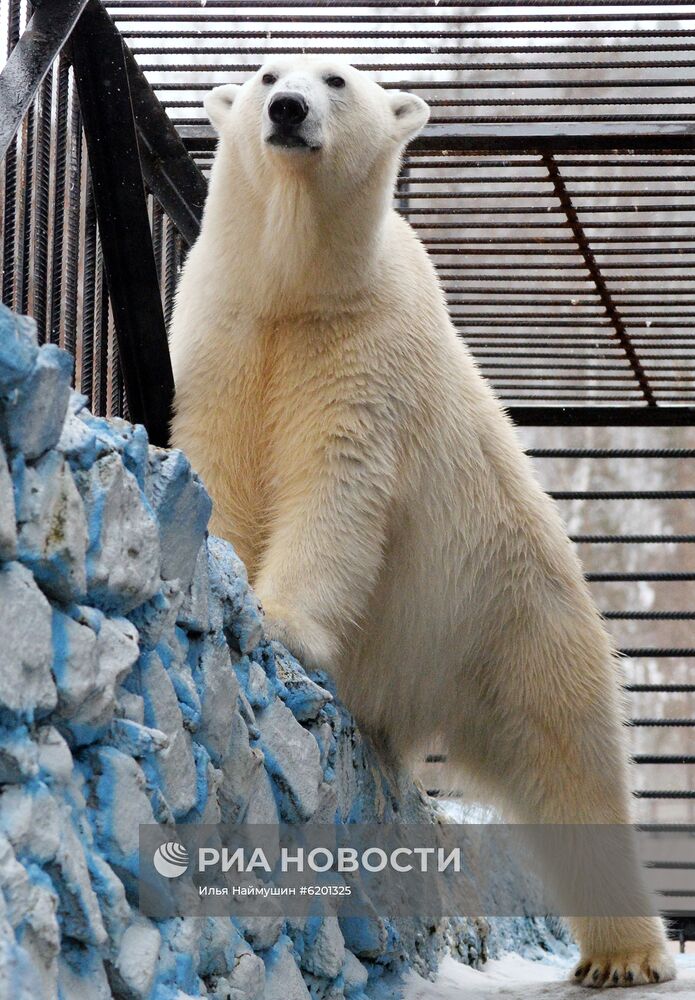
x,y
102,81
74,206
43,237
31,59
60,199
633,539
542,138
611,452
10,193
603,416
597,277
89,252
169,172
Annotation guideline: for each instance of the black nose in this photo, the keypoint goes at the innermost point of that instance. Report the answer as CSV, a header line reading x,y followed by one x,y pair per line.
x,y
288,109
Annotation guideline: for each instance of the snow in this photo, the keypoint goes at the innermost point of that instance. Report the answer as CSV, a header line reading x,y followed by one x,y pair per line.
x,y
516,978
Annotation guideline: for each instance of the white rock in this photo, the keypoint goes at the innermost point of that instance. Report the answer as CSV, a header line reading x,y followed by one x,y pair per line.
x,y
80,916
26,683
20,975
354,973
293,757
31,905
263,932
239,769
125,804
138,956
175,764
130,705
53,528
19,758
325,955
248,976
283,980
262,808
54,757
32,821
220,690
258,687
123,558
89,984
89,668
76,662
8,531
193,614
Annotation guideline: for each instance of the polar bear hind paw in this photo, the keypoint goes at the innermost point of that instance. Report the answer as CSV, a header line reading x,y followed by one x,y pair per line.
x,y
629,969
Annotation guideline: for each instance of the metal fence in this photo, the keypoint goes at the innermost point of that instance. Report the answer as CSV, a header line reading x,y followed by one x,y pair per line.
x,y
554,188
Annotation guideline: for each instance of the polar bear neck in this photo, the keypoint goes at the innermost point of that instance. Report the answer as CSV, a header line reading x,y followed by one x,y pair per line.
x,y
288,242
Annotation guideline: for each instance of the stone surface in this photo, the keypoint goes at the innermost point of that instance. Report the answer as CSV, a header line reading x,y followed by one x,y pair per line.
x,y
17,349
33,415
283,980
174,766
26,684
53,528
293,759
8,527
138,956
178,498
123,556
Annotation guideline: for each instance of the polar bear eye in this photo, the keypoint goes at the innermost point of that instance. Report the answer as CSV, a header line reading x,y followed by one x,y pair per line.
x,y
335,81
269,79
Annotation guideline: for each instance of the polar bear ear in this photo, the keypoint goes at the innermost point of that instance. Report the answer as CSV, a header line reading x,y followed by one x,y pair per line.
x,y
219,101
410,114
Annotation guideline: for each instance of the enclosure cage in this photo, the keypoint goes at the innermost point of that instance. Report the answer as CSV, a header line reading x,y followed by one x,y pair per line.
x,y
554,188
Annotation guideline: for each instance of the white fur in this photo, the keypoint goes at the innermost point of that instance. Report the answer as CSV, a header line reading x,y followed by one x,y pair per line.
x,y
365,472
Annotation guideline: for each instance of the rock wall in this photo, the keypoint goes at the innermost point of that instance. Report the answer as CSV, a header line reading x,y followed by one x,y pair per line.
x,y
136,686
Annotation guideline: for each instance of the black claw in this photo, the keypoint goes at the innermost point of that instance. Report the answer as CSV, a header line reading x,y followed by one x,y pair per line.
x,y
616,976
629,977
656,975
581,971
597,973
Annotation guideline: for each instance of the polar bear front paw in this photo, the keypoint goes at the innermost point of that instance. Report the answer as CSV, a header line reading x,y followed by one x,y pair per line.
x,y
629,969
305,638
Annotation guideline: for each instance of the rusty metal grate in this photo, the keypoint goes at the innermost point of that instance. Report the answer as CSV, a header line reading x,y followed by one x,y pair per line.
x,y
554,187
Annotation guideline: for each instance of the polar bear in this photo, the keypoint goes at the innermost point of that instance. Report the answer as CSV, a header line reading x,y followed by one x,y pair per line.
x,y
371,481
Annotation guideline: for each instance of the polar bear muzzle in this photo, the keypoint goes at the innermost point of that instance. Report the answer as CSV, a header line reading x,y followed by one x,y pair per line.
x,y
287,111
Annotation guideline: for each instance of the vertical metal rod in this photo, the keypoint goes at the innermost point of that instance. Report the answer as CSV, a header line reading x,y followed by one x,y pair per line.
x,y
42,235
100,364
88,289
10,192
170,275
59,200
157,228
72,238
26,222
102,80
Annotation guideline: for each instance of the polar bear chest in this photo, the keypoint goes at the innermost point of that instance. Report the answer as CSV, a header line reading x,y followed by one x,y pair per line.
x,y
241,398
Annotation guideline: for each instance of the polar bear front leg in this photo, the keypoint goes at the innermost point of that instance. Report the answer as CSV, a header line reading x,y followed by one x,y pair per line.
x,y
324,552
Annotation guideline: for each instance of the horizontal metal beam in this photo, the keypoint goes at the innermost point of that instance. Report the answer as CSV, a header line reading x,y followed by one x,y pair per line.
x,y
602,416
595,137
30,60
537,137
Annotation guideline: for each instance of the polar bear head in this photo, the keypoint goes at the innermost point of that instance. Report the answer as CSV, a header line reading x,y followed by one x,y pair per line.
x,y
314,116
